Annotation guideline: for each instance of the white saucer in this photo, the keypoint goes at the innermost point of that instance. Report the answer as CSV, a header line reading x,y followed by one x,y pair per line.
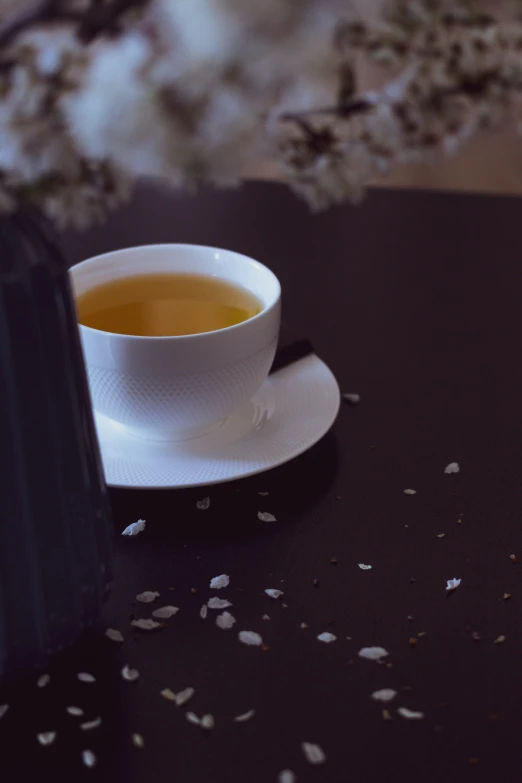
x,y
294,408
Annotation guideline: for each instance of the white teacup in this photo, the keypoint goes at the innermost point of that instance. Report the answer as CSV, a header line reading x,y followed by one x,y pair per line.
x,y
169,388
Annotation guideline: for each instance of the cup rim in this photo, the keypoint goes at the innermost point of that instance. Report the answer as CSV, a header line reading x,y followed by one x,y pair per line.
x,y
186,337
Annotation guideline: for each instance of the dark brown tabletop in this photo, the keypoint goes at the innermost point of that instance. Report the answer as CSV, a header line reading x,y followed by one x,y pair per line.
x,y
414,300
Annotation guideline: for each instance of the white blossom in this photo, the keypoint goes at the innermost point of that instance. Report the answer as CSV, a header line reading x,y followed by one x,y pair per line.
x,y
170,92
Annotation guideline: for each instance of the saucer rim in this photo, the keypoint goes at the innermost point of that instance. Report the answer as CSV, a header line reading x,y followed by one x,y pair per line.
x,y
321,432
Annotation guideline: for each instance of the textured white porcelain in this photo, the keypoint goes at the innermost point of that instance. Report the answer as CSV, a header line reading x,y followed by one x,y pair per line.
x,y
292,410
172,388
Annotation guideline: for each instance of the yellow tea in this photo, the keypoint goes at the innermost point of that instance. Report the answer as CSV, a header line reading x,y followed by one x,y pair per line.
x,y
162,305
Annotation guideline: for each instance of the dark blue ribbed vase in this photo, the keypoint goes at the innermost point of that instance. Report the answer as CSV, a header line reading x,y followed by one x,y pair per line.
x,y
55,533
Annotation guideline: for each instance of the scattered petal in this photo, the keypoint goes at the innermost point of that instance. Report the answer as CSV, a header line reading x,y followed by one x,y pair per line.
x,y
43,680
476,636
507,596
218,582
207,722
168,694
184,696
138,741
314,754
203,612
265,516
513,558
114,635
410,491
500,639
251,638
364,567
287,776
440,535
327,637
453,467
193,718
373,653
384,695
304,626
274,593
88,758
91,724
263,494
131,675
225,621
266,617
46,737
386,715
86,677
452,584
147,597
134,528
146,625
218,603
245,716
351,398
404,712
202,505
76,711
164,612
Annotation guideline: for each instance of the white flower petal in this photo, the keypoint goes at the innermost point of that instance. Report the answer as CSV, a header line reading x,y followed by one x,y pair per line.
x,y
251,638
203,612
76,711
207,722
134,528
46,737
272,593
452,584
114,635
245,716
202,505
164,612
88,758
193,718
453,467
373,653
86,677
43,680
410,491
138,741
265,516
3,709
385,694
218,603
131,675
287,776
364,567
147,597
327,637
218,582
352,398
314,754
225,621
183,696
404,712
146,625
91,724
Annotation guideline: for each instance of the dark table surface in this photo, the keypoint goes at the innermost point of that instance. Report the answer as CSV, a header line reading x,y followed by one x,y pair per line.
x,y
414,300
